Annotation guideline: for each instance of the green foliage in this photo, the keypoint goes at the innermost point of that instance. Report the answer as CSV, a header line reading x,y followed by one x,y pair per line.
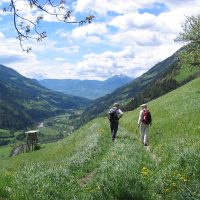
x,y
186,73
5,133
190,54
6,141
61,123
5,151
47,134
6,137
50,130
191,29
37,147
55,128
88,165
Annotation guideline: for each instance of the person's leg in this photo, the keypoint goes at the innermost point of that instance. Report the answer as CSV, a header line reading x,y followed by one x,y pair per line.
x,y
115,129
112,128
142,128
146,133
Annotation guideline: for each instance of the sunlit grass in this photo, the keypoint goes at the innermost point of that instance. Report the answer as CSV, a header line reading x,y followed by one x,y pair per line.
x,y
5,151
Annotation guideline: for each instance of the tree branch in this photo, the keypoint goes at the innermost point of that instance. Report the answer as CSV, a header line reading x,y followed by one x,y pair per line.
x,y
26,28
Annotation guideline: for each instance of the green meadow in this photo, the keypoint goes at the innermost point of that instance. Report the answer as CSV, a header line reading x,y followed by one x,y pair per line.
x,y
88,165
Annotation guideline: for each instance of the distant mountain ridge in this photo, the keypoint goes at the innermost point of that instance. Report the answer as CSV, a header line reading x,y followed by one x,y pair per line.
x,y
91,89
24,101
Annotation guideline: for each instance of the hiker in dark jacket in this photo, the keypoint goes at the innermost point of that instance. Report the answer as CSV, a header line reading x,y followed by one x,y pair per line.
x,y
144,122
114,115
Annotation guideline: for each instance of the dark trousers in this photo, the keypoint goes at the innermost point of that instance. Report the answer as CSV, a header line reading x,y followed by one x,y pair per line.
x,y
114,128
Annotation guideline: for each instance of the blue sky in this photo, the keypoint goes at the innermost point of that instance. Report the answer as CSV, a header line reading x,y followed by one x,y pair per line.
x,y
126,37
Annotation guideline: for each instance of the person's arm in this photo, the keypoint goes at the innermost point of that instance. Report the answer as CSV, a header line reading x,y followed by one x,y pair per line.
x,y
119,113
109,113
140,117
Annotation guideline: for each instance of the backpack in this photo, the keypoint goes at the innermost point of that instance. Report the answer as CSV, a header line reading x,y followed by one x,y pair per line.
x,y
112,115
146,117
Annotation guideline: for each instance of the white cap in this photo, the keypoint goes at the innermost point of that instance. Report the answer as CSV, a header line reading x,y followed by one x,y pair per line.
x,y
143,105
116,104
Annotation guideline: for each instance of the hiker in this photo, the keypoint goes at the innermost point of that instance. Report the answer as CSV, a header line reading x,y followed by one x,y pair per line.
x,y
144,122
114,115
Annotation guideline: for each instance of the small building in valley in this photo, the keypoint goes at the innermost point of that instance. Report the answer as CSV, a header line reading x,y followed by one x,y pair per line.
x,y
31,139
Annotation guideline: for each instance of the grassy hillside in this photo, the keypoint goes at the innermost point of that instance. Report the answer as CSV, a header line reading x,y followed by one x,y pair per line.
x,y
88,165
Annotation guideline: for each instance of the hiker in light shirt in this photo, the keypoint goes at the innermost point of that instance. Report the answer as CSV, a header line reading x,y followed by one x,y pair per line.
x,y
144,122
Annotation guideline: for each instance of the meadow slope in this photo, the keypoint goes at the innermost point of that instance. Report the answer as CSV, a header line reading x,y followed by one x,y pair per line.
x,y
88,165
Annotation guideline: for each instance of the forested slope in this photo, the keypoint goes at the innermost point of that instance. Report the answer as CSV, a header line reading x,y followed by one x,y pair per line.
x,y
23,101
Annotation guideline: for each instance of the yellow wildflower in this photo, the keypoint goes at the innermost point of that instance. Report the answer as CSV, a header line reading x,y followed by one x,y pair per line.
x,y
145,171
166,190
174,184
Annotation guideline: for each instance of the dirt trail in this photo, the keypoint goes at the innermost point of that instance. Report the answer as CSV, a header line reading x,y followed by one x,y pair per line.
x,y
83,181
18,150
153,156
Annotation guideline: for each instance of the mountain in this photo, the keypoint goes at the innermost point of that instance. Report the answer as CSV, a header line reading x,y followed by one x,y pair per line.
x,y
24,101
91,89
88,165
165,76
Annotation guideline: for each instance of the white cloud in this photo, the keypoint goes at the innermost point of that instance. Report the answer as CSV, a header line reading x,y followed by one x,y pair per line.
x,y
63,33
137,37
118,6
134,20
93,40
68,49
125,41
83,5
181,4
60,59
1,35
88,30
4,1
90,33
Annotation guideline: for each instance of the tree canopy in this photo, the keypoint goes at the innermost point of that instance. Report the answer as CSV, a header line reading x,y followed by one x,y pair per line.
x,y
28,28
190,55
